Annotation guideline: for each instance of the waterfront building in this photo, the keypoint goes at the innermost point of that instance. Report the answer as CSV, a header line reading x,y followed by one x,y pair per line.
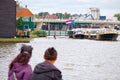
x,y
95,12
7,18
52,16
26,17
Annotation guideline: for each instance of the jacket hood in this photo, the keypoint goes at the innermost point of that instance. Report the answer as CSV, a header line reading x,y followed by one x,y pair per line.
x,y
45,67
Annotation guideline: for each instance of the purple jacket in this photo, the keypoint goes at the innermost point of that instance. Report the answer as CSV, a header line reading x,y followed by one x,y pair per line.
x,y
23,72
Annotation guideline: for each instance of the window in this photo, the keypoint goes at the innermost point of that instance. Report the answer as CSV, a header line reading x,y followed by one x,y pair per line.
x,y
26,27
25,19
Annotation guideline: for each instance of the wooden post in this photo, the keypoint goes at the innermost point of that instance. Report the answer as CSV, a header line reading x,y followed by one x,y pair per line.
x,y
55,33
48,29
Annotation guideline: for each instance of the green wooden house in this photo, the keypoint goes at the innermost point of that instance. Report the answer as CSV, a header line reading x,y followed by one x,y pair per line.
x,y
26,24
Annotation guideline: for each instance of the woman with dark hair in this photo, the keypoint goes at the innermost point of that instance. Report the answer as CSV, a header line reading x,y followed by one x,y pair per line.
x,y
46,70
19,67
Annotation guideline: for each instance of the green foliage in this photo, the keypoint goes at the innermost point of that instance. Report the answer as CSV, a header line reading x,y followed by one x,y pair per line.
x,y
40,33
19,22
118,16
16,40
63,16
66,15
36,15
43,14
59,15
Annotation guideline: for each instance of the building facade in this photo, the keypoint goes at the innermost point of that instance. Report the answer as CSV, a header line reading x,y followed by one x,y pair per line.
x,y
27,24
7,18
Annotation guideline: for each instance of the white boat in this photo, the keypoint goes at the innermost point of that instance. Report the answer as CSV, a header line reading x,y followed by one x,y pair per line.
x,y
77,33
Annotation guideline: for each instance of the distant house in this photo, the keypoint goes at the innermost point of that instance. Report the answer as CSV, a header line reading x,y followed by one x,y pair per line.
x,y
27,19
27,24
53,16
7,18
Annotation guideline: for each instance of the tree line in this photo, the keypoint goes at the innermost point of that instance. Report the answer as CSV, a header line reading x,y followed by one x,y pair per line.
x,y
66,15
117,15
59,15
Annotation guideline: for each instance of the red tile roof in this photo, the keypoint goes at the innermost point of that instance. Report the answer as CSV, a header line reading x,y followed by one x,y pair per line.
x,y
49,17
23,12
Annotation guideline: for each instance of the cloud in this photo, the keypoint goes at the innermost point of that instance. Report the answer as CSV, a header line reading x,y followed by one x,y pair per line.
x,y
72,6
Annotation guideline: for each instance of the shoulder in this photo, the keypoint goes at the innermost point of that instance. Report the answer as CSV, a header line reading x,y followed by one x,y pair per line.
x,y
27,68
41,64
57,75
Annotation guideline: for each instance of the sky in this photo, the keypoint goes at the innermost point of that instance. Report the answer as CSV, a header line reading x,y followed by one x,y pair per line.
x,y
107,7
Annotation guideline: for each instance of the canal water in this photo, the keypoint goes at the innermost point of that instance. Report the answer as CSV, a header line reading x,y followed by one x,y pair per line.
x,y
78,59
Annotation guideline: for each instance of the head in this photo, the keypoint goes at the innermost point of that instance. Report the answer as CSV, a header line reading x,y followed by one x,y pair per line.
x,y
25,49
50,54
24,55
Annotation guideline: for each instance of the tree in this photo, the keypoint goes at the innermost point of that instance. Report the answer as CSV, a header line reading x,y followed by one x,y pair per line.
x,y
59,15
36,15
118,16
19,22
43,13
40,33
66,15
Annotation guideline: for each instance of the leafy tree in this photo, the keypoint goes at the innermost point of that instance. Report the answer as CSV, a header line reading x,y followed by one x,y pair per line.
x,y
19,22
40,33
59,15
66,15
118,16
36,15
43,13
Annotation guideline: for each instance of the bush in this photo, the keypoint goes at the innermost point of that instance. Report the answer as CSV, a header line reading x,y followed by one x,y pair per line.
x,y
40,33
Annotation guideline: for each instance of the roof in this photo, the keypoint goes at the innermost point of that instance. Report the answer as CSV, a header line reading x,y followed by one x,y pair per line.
x,y
23,12
49,17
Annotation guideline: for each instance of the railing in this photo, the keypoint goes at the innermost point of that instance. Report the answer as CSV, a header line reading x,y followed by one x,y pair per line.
x,y
90,21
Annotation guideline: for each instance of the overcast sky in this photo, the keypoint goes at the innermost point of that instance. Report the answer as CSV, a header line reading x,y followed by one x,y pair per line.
x,y
107,7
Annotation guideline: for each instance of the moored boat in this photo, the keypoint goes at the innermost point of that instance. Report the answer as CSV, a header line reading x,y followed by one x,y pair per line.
x,y
91,33
79,35
107,35
76,33
96,34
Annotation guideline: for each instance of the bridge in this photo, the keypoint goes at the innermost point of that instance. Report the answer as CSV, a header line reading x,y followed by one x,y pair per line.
x,y
53,22
64,20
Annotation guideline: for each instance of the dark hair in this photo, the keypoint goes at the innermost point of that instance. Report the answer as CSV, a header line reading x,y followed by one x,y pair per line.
x,y
24,55
26,50
50,54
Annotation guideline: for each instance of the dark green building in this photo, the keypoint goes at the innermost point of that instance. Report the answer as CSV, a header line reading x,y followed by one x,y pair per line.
x,y
24,21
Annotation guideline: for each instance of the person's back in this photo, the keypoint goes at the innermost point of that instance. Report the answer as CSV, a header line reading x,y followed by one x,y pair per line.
x,y
19,70
20,66
46,70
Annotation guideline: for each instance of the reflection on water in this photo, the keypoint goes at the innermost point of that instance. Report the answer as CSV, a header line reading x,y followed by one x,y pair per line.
x,y
77,59
6,50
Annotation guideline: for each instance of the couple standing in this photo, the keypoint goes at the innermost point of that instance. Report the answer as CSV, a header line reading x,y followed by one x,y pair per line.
x,y
19,69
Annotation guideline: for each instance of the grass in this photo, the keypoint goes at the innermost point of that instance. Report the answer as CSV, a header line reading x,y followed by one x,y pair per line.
x,y
18,39
14,40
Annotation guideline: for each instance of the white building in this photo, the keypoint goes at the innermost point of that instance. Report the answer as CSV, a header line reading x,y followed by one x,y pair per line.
x,y
95,12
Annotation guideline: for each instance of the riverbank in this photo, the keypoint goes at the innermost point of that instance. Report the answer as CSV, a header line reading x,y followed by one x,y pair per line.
x,y
15,40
